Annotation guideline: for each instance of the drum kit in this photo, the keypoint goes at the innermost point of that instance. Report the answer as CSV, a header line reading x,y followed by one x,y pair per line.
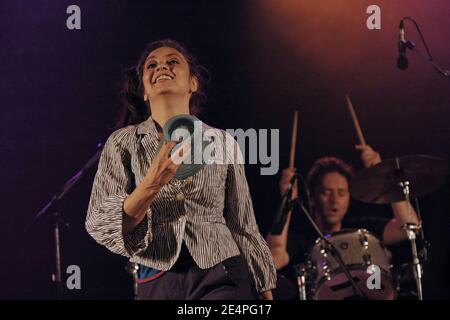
x,y
322,277
342,265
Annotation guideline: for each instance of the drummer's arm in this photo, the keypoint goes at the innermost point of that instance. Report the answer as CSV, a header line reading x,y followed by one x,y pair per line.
x,y
278,243
278,246
393,231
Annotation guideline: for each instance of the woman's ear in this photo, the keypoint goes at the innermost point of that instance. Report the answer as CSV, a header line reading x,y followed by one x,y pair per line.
x,y
194,84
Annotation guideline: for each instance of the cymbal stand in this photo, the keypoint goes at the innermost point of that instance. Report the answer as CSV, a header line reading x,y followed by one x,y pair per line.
x,y
412,230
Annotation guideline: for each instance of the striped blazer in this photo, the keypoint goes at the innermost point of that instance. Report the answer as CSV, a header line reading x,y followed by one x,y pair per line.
x,y
211,211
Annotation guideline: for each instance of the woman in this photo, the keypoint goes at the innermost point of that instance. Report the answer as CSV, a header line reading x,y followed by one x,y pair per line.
x,y
194,239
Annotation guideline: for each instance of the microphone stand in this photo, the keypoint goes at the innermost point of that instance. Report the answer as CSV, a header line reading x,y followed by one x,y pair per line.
x,y
132,269
53,208
286,205
412,46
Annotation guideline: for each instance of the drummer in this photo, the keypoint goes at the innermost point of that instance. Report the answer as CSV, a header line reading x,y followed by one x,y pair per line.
x,y
328,182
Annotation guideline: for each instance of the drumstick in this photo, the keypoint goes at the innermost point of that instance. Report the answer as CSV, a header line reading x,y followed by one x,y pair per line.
x,y
293,141
355,121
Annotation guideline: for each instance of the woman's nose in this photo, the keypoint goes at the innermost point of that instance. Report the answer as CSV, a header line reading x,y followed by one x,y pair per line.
x,y
162,66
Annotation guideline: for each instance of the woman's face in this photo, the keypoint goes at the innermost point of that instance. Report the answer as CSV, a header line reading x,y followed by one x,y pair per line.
x,y
166,71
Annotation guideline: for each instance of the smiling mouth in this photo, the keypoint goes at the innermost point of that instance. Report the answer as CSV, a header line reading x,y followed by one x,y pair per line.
x,y
163,78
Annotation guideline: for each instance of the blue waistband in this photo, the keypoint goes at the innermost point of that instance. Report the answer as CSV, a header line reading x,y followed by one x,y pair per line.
x,y
145,272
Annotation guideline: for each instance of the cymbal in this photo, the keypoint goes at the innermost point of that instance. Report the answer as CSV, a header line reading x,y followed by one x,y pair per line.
x,y
381,183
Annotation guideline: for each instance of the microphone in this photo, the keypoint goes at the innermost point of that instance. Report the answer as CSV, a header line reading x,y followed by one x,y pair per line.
x,y
286,206
402,61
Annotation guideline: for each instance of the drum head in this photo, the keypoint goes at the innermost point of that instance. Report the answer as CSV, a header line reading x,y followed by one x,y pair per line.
x,y
363,255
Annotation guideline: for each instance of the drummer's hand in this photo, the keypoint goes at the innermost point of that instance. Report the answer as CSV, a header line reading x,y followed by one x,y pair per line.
x,y
369,156
286,176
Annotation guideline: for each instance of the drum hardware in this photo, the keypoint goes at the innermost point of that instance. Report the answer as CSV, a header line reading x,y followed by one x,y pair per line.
x,y
371,268
411,231
323,249
363,240
327,272
367,258
400,179
301,281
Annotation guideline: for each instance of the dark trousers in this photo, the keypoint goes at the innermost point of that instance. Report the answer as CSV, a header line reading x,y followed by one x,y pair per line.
x,y
228,280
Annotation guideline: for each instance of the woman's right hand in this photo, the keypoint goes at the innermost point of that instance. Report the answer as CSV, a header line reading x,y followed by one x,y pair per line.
x,y
162,169
164,165
286,176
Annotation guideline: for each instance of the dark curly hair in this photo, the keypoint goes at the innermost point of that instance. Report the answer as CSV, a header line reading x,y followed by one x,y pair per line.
x,y
326,165
135,110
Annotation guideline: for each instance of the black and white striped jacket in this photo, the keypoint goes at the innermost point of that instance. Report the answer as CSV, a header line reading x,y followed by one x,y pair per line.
x,y
212,211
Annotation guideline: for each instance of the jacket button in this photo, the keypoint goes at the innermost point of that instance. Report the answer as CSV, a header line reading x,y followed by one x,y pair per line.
x,y
180,196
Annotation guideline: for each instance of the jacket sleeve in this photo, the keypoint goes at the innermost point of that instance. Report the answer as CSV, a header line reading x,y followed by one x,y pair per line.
x,y
112,184
241,221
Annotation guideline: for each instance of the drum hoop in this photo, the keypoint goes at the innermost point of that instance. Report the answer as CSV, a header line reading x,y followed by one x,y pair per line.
x,y
349,230
352,230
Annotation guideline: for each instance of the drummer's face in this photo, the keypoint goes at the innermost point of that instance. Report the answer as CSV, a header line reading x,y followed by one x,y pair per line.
x,y
333,198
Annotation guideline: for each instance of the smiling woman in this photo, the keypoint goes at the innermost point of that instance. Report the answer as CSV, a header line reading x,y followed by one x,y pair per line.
x,y
136,108
193,239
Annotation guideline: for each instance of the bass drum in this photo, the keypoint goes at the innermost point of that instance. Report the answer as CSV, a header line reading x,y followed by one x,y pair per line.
x,y
362,253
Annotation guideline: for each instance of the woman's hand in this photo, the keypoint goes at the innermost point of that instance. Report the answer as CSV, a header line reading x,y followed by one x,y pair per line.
x,y
369,156
286,176
162,169
164,165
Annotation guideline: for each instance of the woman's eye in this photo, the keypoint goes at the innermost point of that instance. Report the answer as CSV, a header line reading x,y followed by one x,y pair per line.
x,y
173,61
151,65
